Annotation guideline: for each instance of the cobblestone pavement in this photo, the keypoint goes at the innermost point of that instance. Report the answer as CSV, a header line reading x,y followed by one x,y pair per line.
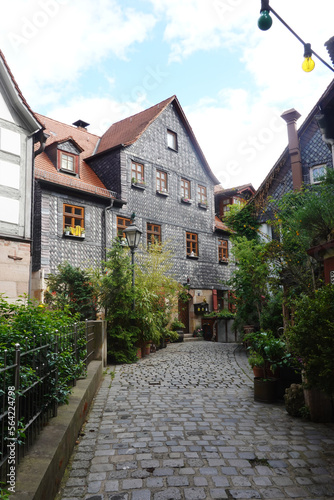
x,y
182,424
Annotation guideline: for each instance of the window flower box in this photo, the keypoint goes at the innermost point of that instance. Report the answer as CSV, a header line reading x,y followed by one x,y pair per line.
x,y
224,261
162,193
186,200
202,205
192,255
138,184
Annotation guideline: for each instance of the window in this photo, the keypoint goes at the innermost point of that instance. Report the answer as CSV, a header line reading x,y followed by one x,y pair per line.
x,y
185,189
172,140
223,251
202,197
122,223
73,216
192,244
137,173
67,162
161,181
153,233
316,173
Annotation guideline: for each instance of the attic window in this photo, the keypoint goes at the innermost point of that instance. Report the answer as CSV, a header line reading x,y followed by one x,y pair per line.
x,y
172,140
68,162
317,173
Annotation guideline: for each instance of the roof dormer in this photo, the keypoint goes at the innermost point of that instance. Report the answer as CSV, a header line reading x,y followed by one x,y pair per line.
x,y
65,155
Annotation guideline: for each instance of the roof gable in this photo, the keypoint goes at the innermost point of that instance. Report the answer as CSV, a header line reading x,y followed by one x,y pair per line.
x,y
128,131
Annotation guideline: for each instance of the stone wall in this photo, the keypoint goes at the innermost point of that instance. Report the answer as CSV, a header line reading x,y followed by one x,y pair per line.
x,y
14,268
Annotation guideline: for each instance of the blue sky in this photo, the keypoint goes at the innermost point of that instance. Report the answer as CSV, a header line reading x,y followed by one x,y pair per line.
x,y
103,60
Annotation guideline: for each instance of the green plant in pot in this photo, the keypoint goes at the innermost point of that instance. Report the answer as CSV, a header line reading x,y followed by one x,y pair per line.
x,y
311,338
266,348
256,361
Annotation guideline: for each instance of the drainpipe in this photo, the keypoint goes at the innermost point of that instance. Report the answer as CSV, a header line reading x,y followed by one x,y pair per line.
x,y
290,117
105,227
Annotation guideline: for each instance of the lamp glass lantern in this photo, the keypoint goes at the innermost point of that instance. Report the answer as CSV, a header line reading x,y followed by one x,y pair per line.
x,y
133,235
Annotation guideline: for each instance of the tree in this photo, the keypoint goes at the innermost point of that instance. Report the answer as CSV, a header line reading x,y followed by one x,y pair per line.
x,y
242,220
155,295
250,283
72,287
117,298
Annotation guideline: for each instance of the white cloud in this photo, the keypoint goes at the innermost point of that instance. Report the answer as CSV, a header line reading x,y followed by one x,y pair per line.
x,y
193,25
99,112
51,42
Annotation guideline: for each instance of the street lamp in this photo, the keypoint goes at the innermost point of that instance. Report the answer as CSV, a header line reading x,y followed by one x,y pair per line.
x,y
133,235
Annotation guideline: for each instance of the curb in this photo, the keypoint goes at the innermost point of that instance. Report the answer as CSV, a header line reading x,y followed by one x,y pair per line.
x,y
40,472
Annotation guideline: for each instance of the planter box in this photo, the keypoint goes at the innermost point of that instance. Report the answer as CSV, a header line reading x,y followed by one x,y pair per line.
x,y
265,390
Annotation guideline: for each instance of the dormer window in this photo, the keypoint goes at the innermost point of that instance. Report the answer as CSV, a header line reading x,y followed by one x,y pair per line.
x,y
67,162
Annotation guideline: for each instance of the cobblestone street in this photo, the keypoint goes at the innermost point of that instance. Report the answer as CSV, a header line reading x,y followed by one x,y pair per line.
x,y
182,424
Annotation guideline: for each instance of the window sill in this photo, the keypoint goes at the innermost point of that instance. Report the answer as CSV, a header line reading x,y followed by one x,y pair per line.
x,y
138,185
192,257
223,262
204,206
70,172
162,193
187,201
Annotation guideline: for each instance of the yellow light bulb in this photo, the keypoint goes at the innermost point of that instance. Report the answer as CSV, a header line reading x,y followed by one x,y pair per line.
x,y
308,64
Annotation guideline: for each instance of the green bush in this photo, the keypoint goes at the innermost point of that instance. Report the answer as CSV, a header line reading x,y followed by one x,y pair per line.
x,y
72,287
31,324
311,337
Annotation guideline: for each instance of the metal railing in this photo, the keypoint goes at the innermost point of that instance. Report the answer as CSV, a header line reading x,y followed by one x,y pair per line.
x,y
29,386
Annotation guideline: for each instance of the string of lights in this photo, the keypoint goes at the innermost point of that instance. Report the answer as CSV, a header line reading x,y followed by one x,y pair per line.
x,y
265,22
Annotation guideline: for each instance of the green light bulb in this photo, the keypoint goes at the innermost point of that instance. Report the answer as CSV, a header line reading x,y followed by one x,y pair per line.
x,y
265,21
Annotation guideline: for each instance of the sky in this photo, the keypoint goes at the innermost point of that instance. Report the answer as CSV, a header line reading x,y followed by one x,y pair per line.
x,y
103,60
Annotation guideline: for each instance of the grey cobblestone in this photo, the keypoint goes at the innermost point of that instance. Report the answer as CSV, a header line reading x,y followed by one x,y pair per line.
x,y
197,435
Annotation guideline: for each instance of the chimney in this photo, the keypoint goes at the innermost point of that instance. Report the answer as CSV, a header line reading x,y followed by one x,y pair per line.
x,y
290,117
81,125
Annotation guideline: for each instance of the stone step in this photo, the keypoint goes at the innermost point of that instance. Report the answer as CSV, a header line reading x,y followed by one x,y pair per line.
x,y
188,337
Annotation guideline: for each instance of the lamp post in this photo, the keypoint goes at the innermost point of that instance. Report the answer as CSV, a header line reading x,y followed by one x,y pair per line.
x,y
133,235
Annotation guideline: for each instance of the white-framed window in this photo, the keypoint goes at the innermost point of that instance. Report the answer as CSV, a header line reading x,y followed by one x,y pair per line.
x,y
317,173
172,140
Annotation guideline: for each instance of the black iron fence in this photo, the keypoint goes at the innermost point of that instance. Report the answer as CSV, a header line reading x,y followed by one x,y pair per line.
x,y
30,388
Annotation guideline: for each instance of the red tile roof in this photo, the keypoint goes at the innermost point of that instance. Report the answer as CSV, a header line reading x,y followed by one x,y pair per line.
x,y
220,225
44,168
128,131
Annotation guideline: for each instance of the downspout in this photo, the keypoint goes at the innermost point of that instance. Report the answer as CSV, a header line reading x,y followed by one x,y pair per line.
x,y
105,227
290,117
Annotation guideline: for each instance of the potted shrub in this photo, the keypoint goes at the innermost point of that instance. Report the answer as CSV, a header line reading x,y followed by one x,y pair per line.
x,y
272,351
67,230
256,362
198,332
311,338
178,327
